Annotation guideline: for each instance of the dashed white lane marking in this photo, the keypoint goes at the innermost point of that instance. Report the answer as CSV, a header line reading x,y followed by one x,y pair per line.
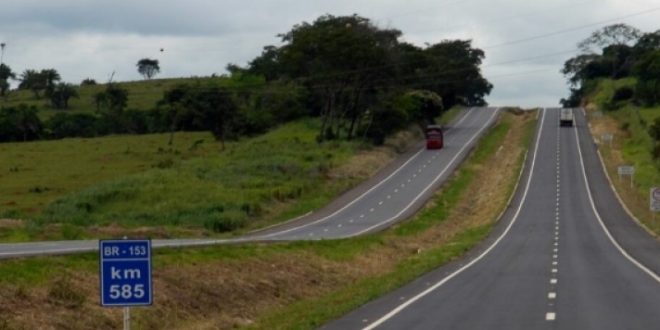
x,y
553,281
550,316
444,280
554,270
424,166
555,250
554,263
396,190
325,230
419,171
410,179
361,215
339,225
414,176
552,295
371,209
380,203
389,196
350,221
554,256
311,234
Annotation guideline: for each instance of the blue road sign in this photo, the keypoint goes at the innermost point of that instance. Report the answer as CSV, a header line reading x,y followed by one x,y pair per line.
x,y
125,272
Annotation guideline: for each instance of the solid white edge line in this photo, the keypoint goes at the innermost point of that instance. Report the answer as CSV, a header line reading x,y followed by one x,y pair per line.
x,y
623,204
433,182
467,114
410,301
600,220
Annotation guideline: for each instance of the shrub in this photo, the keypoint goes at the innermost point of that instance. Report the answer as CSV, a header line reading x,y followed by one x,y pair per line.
x,y
222,223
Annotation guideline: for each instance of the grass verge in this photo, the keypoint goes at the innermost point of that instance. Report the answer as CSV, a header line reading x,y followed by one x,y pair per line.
x,y
632,145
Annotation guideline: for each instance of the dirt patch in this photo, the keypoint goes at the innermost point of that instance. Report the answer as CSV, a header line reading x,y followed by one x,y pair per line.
x,y
368,162
229,293
10,223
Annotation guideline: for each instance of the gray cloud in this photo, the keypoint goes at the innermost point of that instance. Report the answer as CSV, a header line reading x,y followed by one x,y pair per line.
x,y
94,38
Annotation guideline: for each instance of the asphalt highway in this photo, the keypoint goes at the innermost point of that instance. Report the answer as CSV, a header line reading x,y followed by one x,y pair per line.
x,y
563,256
392,195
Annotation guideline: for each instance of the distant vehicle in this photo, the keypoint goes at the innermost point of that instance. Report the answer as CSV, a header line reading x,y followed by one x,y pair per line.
x,y
434,137
566,117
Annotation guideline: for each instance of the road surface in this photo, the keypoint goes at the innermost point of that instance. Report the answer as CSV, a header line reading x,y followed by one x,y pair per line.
x,y
563,256
394,194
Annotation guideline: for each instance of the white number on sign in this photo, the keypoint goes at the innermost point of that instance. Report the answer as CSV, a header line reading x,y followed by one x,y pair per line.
x,y
138,250
126,291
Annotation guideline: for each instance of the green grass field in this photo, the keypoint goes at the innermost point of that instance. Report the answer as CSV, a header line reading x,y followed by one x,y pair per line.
x,y
605,89
142,95
650,114
637,147
137,181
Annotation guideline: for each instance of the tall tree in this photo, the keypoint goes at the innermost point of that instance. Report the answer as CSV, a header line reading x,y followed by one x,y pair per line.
x,y
647,70
111,101
203,107
61,95
340,59
452,70
38,81
615,34
5,75
50,78
148,68
19,123
32,80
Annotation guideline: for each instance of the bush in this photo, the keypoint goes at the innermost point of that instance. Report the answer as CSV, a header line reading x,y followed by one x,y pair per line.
x,y
222,223
623,94
76,125
20,124
88,82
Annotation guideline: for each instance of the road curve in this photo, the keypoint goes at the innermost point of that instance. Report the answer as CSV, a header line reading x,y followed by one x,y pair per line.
x,y
392,195
563,256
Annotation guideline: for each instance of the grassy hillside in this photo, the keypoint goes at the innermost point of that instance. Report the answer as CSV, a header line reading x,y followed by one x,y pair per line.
x,y
632,146
110,186
142,95
138,181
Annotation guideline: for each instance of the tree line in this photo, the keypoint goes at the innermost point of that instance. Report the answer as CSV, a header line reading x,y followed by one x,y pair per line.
x,y
615,52
359,79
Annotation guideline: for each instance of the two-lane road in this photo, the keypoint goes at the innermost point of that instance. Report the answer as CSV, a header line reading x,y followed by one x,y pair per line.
x,y
550,264
392,195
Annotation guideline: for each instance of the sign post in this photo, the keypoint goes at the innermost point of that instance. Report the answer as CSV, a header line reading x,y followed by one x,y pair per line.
x,y
627,170
125,274
607,138
654,198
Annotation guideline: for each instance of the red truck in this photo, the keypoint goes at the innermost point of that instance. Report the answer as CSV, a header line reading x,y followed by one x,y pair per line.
x,y
434,137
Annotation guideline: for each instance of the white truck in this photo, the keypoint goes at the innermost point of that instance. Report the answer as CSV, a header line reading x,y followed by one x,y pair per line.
x,y
566,117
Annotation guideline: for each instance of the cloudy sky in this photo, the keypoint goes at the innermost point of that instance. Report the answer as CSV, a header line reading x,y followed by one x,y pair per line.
x,y
526,41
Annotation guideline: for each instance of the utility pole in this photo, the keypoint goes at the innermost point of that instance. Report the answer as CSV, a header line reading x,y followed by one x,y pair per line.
x,y
2,51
